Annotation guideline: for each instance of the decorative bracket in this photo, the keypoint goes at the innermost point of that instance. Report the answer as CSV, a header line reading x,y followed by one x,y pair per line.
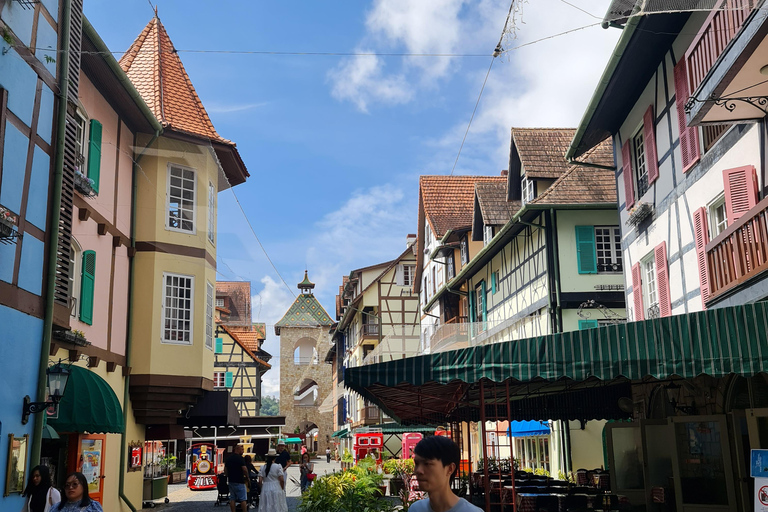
x,y
729,103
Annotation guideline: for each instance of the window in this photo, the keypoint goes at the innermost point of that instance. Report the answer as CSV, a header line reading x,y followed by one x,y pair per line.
x,y
409,272
219,303
639,164
87,287
209,293
218,379
181,199
75,263
450,266
528,190
608,247
211,212
178,291
718,218
424,291
464,251
650,299
495,282
81,139
434,279
479,305
487,234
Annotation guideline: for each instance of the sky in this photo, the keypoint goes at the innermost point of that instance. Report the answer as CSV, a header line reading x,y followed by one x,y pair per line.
x,y
335,144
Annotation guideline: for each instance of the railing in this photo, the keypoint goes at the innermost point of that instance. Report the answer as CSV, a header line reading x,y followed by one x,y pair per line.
x,y
369,330
369,413
404,342
304,361
458,333
740,252
722,25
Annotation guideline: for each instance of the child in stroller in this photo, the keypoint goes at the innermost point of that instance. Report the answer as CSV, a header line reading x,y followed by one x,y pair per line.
x,y
254,490
222,488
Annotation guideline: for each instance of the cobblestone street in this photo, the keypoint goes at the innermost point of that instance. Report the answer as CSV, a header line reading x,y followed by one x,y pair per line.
x,y
182,499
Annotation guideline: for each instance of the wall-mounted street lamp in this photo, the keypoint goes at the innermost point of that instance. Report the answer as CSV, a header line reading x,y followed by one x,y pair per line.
x,y
57,376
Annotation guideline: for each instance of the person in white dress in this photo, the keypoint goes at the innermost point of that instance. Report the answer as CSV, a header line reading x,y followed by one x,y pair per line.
x,y
272,480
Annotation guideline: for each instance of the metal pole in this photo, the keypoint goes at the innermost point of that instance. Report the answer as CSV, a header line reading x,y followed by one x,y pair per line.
x,y
511,451
486,480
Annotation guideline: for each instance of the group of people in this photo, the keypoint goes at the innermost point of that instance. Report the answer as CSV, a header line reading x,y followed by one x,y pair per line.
x,y
271,479
41,496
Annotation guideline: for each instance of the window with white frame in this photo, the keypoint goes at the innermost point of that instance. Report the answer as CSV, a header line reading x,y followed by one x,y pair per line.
x,y
608,248
409,272
650,298
219,303
718,218
211,212
209,294
178,310
75,276
464,251
640,167
479,301
528,190
219,379
81,139
487,234
181,199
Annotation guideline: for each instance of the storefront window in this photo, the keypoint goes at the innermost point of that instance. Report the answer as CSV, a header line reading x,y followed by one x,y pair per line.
x,y
532,452
700,456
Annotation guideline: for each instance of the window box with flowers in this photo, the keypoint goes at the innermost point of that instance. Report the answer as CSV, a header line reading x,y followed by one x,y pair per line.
x,y
74,336
85,185
7,222
639,213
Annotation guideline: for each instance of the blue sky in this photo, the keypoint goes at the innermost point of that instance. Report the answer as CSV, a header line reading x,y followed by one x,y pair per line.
x,y
335,145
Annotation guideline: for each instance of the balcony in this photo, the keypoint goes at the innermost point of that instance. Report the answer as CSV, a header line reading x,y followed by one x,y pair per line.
x,y
369,415
723,64
740,253
369,331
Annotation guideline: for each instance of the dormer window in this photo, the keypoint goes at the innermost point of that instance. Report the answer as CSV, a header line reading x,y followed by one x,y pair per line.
x,y
528,190
487,234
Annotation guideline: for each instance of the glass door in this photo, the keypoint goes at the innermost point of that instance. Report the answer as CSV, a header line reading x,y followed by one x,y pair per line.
x,y
626,460
91,464
703,467
658,450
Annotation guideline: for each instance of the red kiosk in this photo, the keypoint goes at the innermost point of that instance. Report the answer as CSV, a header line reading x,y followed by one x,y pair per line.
x,y
205,462
368,442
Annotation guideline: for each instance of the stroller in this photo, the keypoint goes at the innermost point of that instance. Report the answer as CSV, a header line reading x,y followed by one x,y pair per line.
x,y
255,490
222,488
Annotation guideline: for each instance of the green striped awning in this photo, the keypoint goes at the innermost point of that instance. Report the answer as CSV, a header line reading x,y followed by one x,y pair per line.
x,y
717,342
341,432
396,428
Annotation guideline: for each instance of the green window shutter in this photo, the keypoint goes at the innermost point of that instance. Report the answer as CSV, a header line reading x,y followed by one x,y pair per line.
x,y
94,154
219,345
228,379
472,318
493,283
587,324
87,286
484,305
586,254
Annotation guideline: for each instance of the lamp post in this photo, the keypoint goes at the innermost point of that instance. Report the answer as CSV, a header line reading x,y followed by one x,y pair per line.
x,y
57,376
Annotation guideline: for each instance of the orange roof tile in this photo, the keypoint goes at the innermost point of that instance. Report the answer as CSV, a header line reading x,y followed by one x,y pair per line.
x,y
449,200
154,67
250,336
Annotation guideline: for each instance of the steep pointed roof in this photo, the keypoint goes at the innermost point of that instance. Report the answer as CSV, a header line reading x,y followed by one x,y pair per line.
x,y
154,66
305,311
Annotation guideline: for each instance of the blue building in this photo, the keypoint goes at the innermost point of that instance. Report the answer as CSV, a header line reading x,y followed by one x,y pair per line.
x,y
29,87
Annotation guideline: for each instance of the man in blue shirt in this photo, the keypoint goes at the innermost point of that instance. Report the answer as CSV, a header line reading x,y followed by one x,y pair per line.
x,y
436,461
283,455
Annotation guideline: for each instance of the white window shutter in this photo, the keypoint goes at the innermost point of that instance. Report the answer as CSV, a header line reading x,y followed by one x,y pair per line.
x,y
399,278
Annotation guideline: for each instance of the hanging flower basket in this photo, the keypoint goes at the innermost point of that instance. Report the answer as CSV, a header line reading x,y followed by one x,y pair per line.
x,y
639,212
84,184
8,221
75,337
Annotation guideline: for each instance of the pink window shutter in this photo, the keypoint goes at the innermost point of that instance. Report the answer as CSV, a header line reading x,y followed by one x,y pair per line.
x,y
649,138
629,186
740,191
662,279
689,136
637,292
701,234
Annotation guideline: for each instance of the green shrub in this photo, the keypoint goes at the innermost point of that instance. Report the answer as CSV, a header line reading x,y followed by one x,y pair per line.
x,y
352,490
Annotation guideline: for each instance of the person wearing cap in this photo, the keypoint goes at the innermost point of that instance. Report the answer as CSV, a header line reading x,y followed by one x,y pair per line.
x,y
283,455
272,481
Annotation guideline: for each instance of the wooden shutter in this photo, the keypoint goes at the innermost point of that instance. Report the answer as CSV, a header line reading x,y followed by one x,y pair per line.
x,y
586,252
701,234
587,324
219,345
94,154
87,287
493,282
662,279
637,292
740,191
228,379
649,143
483,302
472,319
629,185
689,136
399,276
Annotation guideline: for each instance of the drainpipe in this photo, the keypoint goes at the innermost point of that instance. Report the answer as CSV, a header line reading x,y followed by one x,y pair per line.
x,y
129,329
53,242
556,267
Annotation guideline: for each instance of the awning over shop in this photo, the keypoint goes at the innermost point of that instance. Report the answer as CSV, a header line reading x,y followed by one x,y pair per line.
x,y
528,428
216,408
341,432
294,440
88,405
396,428
562,376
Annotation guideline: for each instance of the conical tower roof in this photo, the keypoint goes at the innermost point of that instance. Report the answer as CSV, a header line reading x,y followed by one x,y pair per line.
x,y
306,310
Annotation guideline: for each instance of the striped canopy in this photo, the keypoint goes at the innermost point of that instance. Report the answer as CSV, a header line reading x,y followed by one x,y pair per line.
x,y
717,342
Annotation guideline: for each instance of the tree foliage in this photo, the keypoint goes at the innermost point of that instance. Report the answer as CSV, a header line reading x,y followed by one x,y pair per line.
x,y
270,406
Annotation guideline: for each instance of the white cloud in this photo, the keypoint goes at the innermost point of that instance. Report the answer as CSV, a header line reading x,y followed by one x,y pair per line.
x,y
220,108
361,80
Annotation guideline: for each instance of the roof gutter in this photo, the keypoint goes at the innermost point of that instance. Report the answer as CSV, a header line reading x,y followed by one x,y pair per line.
x,y
605,80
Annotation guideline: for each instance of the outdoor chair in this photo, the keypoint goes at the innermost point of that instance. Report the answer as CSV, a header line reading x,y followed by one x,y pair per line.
x,y
581,477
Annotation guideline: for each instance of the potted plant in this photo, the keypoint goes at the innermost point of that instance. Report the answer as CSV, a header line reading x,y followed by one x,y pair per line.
x,y
84,184
401,471
346,459
7,222
76,337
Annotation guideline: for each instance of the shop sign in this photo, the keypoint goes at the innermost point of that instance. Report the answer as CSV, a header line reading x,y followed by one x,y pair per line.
x,y
759,466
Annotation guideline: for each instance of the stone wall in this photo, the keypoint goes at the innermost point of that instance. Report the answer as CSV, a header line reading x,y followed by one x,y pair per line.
x,y
291,376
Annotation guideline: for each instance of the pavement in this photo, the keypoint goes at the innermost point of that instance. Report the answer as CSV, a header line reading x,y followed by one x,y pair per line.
x,y
182,499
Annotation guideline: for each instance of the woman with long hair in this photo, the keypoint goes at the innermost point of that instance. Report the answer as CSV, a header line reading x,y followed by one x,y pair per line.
x,y
305,470
76,494
40,494
272,480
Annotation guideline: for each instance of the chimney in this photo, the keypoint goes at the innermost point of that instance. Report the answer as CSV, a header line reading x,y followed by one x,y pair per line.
x,y
410,239
505,172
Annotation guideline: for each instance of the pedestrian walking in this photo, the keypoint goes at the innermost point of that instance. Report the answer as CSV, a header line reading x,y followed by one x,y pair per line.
x,y
328,455
436,461
303,449
272,480
283,455
40,494
305,469
76,494
237,476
